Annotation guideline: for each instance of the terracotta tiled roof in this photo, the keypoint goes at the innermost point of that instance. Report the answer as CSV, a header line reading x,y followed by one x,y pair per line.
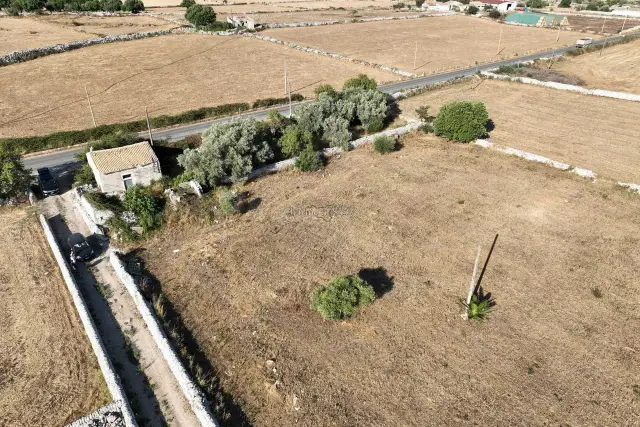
x,y
123,158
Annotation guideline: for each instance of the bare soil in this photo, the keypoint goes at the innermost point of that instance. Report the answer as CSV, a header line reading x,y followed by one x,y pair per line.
x,y
176,73
108,25
326,15
591,132
595,23
551,353
443,42
618,68
49,375
26,33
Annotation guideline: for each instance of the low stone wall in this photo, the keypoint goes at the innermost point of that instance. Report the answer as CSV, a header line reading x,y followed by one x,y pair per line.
x,y
332,55
585,173
349,21
191,391
630,186
109,374
561,86
107,416
97,217
328,152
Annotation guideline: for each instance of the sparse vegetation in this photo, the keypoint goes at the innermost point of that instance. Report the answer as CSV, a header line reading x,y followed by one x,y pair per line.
x,y
462,121
478,308
228,201
384,144
326,89
472,10
361,82
342,296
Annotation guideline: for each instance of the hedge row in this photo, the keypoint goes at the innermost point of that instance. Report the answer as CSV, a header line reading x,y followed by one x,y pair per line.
x,y
31,144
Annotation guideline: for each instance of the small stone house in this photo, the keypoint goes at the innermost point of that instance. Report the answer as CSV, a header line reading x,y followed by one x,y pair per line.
x,y
502,6
242,21
117,169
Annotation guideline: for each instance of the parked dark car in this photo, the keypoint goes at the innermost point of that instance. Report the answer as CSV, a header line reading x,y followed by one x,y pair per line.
x,y
80,249
48,183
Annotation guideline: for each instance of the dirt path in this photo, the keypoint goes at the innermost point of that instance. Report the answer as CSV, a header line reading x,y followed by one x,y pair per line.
x,y
150,385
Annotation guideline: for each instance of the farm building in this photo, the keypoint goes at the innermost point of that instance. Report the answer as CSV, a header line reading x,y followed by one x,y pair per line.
x,y
500,5
242,21
537,19
117,169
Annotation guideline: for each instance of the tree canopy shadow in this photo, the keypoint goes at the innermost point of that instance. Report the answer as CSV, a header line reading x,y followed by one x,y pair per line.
x,y
378,279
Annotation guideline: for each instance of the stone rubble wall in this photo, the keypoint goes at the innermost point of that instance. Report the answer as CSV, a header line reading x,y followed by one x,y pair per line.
x,y
107,416
349,21
332,55
191,391
108,372
561,86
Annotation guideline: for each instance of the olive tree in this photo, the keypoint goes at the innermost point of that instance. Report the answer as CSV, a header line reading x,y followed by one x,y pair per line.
x,y
336,132
200,15
294,139
371,105
14,178
228,150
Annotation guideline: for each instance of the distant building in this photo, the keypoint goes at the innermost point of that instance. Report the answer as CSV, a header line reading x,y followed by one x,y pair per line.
x,y
537,19
442,7
242,21
117,169
501,5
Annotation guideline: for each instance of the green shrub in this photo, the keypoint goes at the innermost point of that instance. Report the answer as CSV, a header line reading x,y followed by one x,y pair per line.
x,y
120,228
384,144
341,297
294,139
399,5
374,125
187,3
200,15
328,89
102,202
565,3
228,201
218,26
495,14
308,160
419,3
362,82
426,128
133,6
268,102
472,10
84,176
462,121
110,5
14,178
369,105
336,132
423,113
478,309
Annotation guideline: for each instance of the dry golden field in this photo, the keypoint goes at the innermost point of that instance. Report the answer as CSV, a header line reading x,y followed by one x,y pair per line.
x,y
325,15
108,25
281,5
601,24
48,373
618,68
443,42
551,353
601,134
27,33
175,73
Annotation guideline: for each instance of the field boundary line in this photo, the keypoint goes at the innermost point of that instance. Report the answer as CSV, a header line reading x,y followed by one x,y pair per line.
x,y
191,391
274,25
111,378
332,55
562,86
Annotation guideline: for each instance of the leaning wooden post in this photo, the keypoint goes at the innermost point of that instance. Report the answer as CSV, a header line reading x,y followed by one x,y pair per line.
x,y
484,268
472,285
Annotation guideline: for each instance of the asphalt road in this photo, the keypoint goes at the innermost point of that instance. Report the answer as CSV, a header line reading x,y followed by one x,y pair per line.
x,y
68,157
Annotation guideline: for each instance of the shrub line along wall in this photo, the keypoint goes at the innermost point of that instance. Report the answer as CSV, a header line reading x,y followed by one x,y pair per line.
x,y
561,86
191,391
108,372
332,55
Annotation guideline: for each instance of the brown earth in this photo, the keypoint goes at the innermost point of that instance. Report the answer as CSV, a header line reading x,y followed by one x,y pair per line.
x,y
443,42
48,373
618,68
326,15
591,132
176,73
551,353
108,25
595,23
26,33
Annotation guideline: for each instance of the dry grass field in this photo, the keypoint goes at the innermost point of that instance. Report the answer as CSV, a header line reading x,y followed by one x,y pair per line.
x,y
176,73
617,69
282,5
596,133
324,15
551,352
26,33
108,25
443,42
48,373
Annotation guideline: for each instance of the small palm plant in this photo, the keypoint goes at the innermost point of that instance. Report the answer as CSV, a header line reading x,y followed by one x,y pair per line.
x,y
478,309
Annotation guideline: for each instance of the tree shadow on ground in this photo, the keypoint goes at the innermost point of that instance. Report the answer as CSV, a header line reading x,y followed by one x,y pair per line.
x,y
490,126
378,279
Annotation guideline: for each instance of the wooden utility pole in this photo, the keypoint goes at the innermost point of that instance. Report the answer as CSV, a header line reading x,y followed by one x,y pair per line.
x,y
285,76
603,46
146,112
499,41
415,57
558,35
624,22
603,22
290,106
90,107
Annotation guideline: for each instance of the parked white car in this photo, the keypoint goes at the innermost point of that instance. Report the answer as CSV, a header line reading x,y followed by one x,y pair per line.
x,y
584,42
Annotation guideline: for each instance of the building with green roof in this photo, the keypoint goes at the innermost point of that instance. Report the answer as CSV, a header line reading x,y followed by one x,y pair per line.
x,y
537,19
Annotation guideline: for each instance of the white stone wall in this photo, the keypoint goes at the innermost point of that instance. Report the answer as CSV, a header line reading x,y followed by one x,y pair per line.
x,y
108,372
192,392
561,86
351,21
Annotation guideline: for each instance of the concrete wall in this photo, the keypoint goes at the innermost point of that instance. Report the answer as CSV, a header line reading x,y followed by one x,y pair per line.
x,y
194,396
113,183
109,374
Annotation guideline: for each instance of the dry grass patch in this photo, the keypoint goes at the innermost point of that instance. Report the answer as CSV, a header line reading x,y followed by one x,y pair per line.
x,y
48,373
27,33
585,131
617,69
550,353
325,15
595,23
443,42
168,74
108,25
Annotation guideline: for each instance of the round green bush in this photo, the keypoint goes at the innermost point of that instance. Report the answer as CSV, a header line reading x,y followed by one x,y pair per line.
x,y
384,144
308,160
133,6
374,125
362,81
462,121
187,3
341,297
200,15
